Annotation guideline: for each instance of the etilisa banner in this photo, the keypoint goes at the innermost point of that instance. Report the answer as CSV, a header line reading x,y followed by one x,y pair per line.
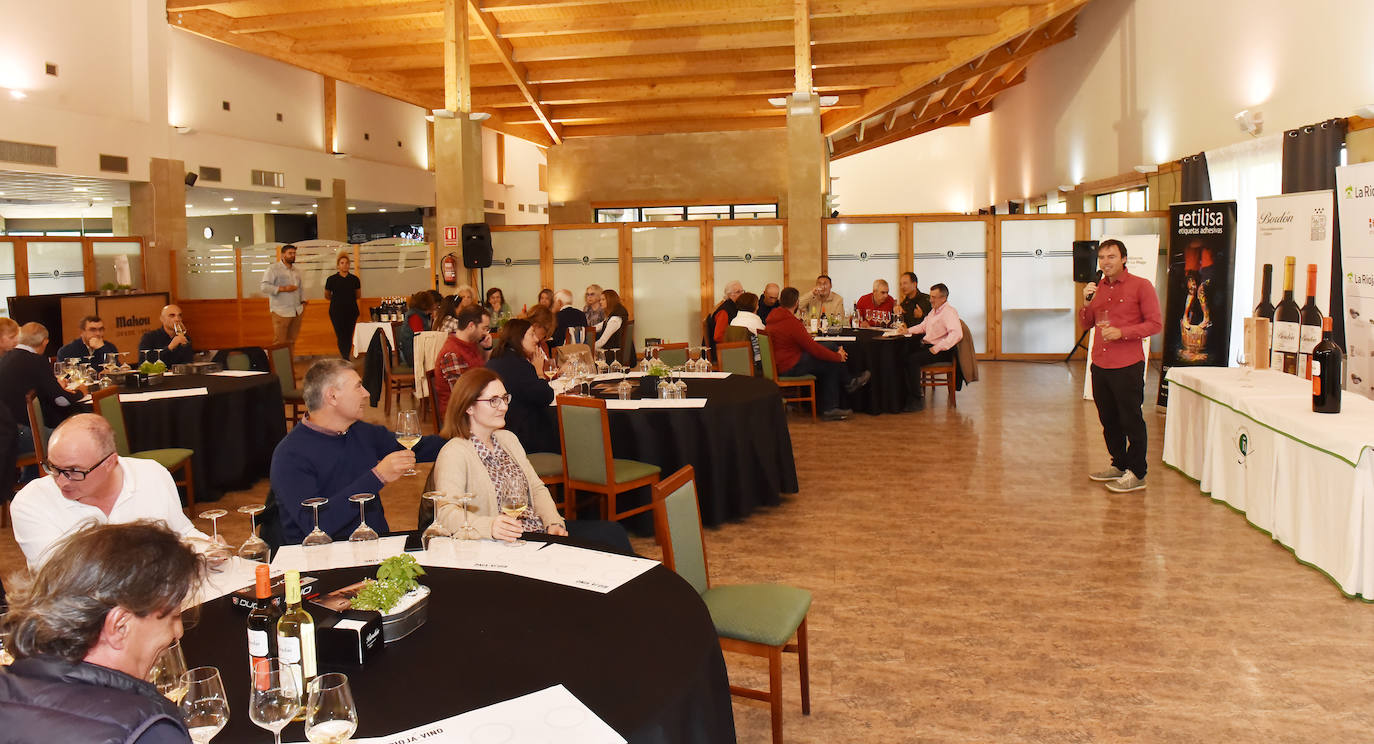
x,y
1197,310
1355,204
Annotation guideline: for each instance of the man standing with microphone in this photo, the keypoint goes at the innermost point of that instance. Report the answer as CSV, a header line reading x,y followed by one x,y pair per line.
x,y
1125,309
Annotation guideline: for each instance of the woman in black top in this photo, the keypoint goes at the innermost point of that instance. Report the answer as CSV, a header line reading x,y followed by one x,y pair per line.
x,y
343,290
529,417
610,333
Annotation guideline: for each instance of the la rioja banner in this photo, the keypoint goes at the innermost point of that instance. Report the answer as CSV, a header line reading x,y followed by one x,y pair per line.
x,y
1197,308
1355,202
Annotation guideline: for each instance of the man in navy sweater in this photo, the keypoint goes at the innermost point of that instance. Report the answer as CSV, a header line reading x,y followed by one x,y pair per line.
x,y
334,454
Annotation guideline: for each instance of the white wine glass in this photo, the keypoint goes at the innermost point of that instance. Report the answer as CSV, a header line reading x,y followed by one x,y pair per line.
x,y
513,503
331,716
408,430
435,529
254,548
166,673
317,536
205,709
274,695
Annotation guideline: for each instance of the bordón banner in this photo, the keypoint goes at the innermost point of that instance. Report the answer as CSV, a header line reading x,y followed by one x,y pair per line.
x,y
1298,225
1355,204
1201,266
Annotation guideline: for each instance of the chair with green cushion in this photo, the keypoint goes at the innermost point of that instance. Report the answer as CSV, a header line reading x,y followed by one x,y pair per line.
x,y
283,366
106,403
549,466
238,360
755,619
585,432
735,357
673,355
806,384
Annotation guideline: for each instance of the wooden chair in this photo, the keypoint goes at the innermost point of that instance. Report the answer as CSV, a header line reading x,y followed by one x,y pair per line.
x,y
584,430
434,401
755,619
941,373
106,403
395,378
805,384
39,434
562,353
549,466
673,355
283,366
735,357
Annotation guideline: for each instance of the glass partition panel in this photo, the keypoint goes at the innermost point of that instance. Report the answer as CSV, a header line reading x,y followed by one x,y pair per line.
x,y
667,281
253,261
316,260
515,267
55,268
1037,286
858,253
1123,227
205,271
750,253
955,254
8,283
388,268
585,257
118,262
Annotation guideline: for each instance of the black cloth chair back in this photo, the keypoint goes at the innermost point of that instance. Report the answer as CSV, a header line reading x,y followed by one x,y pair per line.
x,y
269,522
257,358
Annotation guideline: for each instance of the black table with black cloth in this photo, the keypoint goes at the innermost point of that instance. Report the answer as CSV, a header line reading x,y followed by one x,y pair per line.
x,y
738,444
233,428
645,657
886,358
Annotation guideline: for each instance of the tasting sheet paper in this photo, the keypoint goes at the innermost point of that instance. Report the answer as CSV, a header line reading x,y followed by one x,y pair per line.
x,y
160,394
555,563
338,554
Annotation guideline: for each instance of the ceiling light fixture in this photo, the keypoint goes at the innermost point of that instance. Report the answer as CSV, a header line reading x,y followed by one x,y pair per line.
x,y
309,213
780,101
1066,187
273,211
80,189
444,113
276,202
479,116
352,209
314,206
383,209
1147,169
828,101
184,130
188,206
233,209
228,198
339,155
18,95
1250,122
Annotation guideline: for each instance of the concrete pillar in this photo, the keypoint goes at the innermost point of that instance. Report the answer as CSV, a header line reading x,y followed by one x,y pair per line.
x,y
264,228
806,176
331,218
457,175
119,221
157,212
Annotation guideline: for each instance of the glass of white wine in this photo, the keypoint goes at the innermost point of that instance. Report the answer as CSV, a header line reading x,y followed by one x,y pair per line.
x,y
331,717
513,503
408,430
167,672
205,709
274,695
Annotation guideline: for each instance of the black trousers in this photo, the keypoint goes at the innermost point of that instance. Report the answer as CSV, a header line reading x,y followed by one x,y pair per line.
x,y
343,329
1119,394
919,357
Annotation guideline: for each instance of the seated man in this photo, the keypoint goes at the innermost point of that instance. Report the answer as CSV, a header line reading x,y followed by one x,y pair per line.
x,y
915,303
768,301
88,484
87,629
90,347
875,302
719,318
821,299
940,332
25,368
333,454
796,353
470,346
571,321
171,337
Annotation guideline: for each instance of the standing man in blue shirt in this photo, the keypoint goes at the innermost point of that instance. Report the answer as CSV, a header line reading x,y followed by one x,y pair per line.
x,y
281,283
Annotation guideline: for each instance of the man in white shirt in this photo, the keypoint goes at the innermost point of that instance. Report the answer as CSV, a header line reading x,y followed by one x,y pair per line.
x,y
88,483
281,284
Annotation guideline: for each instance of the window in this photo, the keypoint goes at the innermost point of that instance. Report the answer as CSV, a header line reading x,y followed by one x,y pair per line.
x,y
679,214
1134,199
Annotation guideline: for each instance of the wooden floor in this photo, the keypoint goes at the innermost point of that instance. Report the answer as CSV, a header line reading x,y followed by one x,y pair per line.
x,y
972,585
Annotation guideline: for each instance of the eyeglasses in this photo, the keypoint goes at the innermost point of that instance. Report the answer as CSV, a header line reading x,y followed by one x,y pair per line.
x,y
496,401
76,475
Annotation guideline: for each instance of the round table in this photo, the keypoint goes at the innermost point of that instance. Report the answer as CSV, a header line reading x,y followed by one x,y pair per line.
x,y
738,443
886,358
645,657
233,429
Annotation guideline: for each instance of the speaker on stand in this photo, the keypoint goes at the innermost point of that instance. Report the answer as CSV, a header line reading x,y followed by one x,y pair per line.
x,y
1084,271
477,252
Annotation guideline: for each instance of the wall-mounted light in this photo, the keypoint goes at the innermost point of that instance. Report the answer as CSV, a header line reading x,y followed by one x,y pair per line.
x,y
479,116
339,155
17,94
184,130
443,113
1147,169
1366,111
1250,122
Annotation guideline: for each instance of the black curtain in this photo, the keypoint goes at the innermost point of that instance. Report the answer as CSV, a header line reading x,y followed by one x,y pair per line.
x,y
1310,157
1196,181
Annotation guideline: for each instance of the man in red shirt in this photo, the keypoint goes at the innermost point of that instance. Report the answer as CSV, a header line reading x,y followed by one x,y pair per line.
x,y
795,353
877,301
1125,309
469,347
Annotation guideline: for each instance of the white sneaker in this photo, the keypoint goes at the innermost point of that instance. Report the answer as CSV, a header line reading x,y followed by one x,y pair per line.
x,y
1110,474
1126,483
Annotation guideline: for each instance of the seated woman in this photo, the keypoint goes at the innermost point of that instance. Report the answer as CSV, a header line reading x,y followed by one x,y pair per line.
x,y
512,358
500,310
484,459
542,319
746,324
610,333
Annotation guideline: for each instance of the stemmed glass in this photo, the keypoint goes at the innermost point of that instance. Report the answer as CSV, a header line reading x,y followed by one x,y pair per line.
x,y
513,502
205,709
616,366
435,529
467,531
550,368
167,673
364,538
602,366
694,359
274,695
254,548
330,714
219,547
317,536
408,430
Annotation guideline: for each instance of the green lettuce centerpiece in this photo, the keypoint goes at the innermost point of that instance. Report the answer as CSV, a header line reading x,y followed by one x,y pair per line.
x,y
396,577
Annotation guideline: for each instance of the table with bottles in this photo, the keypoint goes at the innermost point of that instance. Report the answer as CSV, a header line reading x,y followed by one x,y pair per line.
x,y
1253,441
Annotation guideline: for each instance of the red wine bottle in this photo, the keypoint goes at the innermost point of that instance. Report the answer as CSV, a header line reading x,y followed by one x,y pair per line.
x,y
262,627
1265,308
1310,332
1327,373
1287,322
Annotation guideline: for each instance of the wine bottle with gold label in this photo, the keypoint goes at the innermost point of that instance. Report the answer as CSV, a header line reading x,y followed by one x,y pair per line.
x,y
1287,324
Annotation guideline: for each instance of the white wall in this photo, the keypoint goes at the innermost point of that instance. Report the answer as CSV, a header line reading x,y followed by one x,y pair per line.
x,y
521,180
371,125
942,171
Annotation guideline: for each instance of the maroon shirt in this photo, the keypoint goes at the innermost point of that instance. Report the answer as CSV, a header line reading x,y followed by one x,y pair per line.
x,y
470,354
790,339
1133,308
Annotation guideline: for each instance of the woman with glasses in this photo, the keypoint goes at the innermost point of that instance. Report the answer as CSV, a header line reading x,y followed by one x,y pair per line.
x,y
595,309
484,459
513,358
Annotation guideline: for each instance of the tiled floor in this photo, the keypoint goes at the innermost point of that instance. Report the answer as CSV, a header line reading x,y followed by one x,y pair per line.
x,y
971,584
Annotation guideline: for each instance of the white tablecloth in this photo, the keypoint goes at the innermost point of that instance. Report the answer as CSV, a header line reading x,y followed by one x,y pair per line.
x,y
1251,440
362,336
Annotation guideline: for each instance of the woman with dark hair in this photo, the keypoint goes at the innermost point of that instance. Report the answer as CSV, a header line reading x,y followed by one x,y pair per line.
x,y
483,458
343,289
610,333
446,316
529,416
541,318
496,303
546,298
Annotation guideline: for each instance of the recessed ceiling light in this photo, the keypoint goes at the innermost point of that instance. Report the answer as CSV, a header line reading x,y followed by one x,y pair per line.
x,y
381,210
188,206
18,95
276,201
233,209
2,193
309,213
273,211
314,206
80,188
228,198
352,209
97,198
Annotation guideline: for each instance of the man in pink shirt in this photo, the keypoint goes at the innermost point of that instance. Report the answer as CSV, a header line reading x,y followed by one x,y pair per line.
x,y
940,332
1129,310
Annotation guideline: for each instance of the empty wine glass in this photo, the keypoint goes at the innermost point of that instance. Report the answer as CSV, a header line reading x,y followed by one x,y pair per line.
x,y
317,536
616,366
602,366
435,529
467,531
166,673
331,716
364,533
408,430
205,709
274,695
254,548
219,550
513,502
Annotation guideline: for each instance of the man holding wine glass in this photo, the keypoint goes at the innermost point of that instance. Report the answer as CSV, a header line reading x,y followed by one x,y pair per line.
x,y
333,454
91,345
1125,309
171,338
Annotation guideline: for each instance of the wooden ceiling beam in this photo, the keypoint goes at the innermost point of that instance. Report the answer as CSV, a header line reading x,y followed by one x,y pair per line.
x,y
801,45
850,146
959,108
611,18
457,66
496,6
603,113
334,17
670,127
487,23
397,40
712,86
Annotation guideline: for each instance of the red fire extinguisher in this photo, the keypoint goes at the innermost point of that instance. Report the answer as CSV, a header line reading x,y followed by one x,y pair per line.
x,y
448,268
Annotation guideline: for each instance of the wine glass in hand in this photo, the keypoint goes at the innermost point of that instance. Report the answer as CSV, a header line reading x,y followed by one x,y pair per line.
x,y
331,717
274,695
205,709
408,430
166,673
513,503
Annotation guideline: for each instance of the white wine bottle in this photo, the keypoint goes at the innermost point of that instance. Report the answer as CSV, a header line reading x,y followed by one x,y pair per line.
x,y
1287,320
296,636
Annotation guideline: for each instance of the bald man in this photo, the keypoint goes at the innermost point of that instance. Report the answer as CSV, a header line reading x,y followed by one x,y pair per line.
x,y
768,301
88,483
171,336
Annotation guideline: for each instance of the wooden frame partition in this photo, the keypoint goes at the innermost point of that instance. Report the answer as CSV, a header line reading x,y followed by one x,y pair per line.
x,y
88,267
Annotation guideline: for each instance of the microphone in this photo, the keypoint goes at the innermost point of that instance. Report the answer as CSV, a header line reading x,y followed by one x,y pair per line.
x,y
1095,281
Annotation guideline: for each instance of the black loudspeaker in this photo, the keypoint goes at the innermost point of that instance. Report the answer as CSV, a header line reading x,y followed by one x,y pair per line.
x,y
476,246
191,178
1085,261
